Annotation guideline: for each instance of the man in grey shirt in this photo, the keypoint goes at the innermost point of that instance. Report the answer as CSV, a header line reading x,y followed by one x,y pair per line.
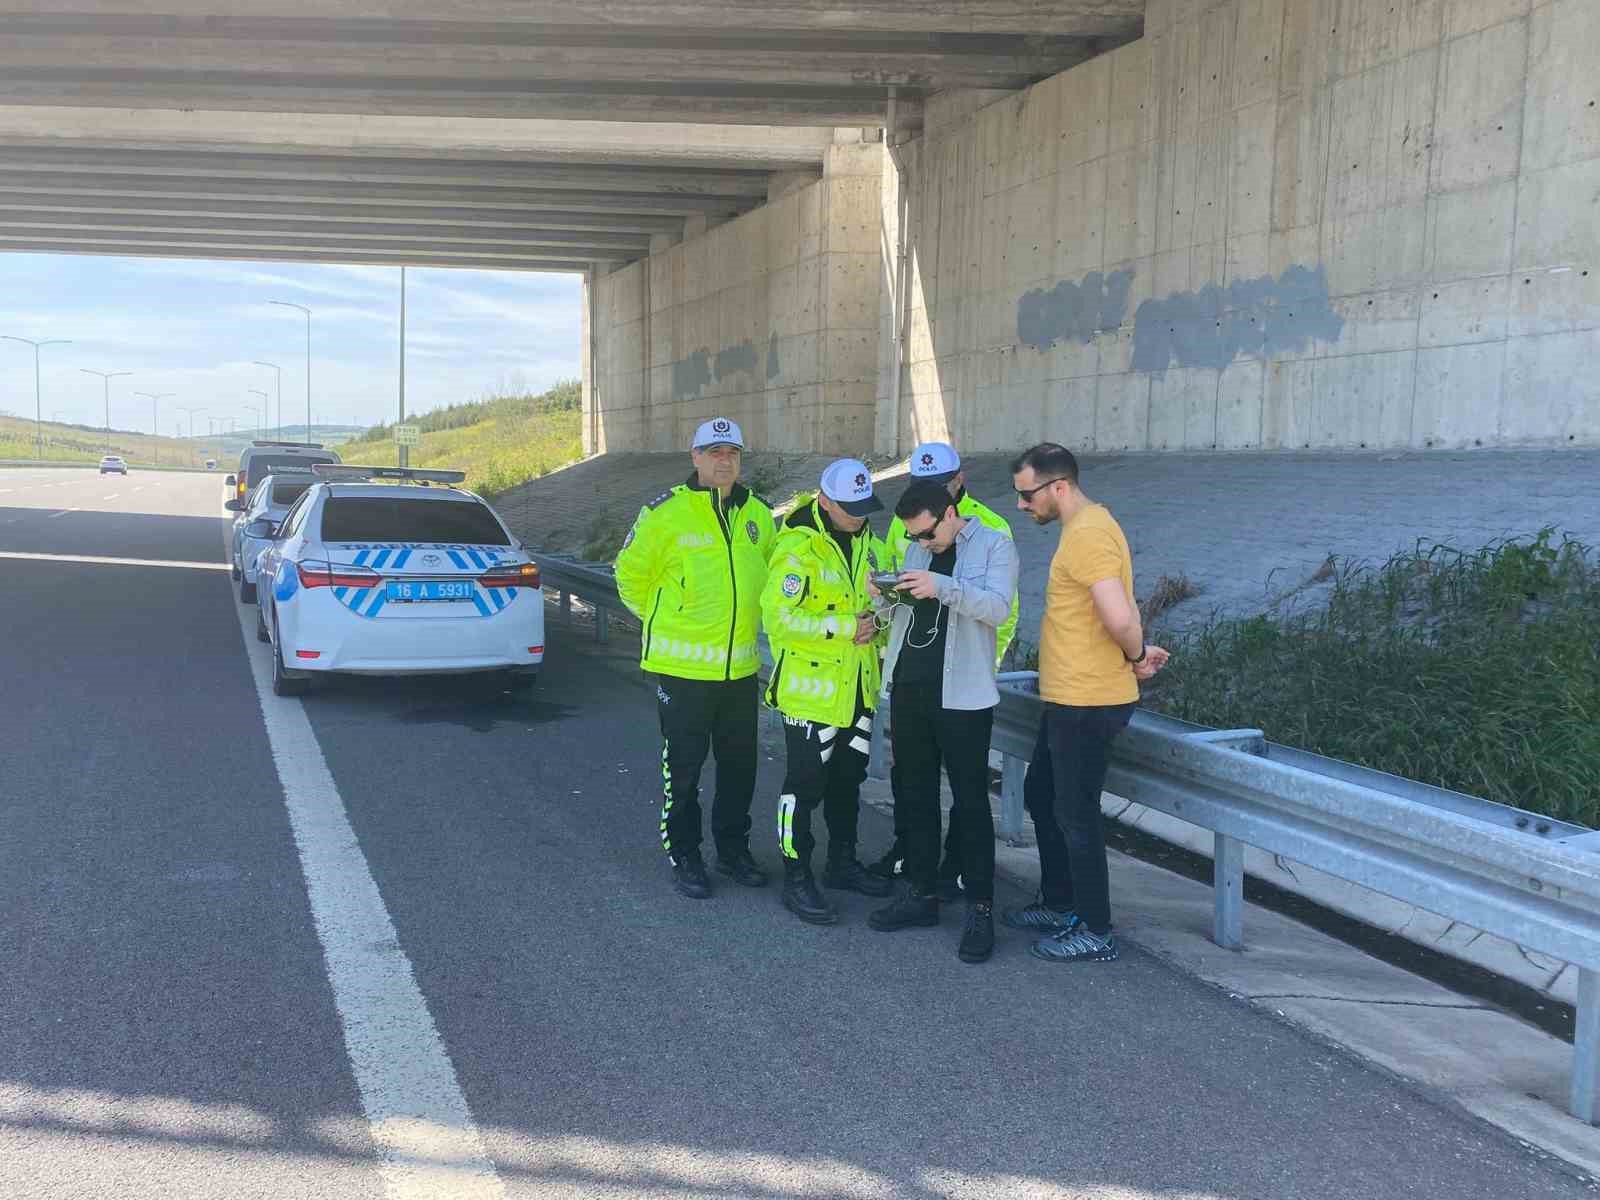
x,y
952,595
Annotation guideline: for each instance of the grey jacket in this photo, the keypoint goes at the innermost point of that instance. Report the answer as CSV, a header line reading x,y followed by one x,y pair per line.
x,y
977,600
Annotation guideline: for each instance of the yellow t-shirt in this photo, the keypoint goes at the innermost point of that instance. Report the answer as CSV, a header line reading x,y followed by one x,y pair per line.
x,y
1079,662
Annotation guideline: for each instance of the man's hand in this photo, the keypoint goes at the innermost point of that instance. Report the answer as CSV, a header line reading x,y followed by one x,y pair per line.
x,y
866,629
919,584
1154,659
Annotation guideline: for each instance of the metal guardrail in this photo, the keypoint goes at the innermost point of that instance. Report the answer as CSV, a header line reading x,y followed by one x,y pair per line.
x,y
1525,877
589,581
1521,876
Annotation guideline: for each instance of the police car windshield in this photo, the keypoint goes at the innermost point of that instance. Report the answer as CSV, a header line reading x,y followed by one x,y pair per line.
x,y
285,494
381,519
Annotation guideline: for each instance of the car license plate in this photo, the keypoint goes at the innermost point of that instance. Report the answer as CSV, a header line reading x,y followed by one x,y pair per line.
x,y
404,591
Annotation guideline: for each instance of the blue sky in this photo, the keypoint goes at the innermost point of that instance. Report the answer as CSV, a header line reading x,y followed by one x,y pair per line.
x,y
195,328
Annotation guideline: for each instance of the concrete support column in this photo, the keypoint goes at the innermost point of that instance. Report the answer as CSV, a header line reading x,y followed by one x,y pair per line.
x,y
660,243
592,441
781,183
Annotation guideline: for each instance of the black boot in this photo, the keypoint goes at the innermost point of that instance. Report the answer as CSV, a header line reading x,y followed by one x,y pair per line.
x,y
801,897
741,866
889,865
689,877
845,874
906,912
977,939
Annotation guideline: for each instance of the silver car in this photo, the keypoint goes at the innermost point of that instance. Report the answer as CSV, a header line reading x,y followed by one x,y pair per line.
x,y
270,499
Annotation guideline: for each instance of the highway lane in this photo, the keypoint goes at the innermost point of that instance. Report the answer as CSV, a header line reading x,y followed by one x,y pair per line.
x,y
608,1037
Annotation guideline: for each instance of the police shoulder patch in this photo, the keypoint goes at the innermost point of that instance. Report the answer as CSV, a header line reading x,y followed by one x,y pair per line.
x,y
792,584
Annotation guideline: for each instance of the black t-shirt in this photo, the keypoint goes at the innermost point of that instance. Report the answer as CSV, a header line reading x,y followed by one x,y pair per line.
x,y
921,662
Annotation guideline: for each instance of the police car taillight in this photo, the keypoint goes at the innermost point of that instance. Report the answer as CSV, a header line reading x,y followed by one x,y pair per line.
x,y
516,575
315,574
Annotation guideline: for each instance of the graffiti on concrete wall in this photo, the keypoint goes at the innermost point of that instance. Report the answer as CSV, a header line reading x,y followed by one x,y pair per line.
x,y
1257,317
1073,311
692,375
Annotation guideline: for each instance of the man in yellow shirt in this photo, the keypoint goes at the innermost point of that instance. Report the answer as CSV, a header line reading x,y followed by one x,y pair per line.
x,y
1092,656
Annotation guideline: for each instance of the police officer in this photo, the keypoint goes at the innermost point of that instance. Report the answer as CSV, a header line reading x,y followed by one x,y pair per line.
x,y
938,462
692,570
818,612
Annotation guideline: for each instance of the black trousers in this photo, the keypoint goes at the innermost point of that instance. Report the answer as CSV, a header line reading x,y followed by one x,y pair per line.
x,y
928,736
950,864
824,766
1062,794
701,717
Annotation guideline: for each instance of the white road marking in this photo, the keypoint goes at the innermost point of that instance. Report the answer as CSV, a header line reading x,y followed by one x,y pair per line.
x,y
113,496
419,1118
98,560
64,512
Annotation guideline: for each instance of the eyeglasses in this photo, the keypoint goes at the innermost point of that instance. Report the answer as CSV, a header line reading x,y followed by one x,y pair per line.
x,y
927,535
1029,493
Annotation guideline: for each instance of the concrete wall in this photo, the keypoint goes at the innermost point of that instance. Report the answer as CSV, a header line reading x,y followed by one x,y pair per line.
x,y
771,319
1268,223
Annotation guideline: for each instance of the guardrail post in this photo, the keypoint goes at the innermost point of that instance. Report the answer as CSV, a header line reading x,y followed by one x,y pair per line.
x,y
1586,1049
878,756
1227,881
1013,771
602,624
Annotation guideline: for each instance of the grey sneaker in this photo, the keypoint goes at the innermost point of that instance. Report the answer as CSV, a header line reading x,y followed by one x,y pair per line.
x,y
1076,945
1039,917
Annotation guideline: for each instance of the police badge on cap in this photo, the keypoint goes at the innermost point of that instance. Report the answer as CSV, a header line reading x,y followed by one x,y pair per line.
x,y
719,431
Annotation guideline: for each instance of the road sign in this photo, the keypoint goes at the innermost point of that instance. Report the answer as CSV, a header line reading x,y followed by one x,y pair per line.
x,y
407,435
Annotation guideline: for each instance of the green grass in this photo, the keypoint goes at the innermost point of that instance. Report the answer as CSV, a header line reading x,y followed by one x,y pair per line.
x,y
78,443
499,442
1476,671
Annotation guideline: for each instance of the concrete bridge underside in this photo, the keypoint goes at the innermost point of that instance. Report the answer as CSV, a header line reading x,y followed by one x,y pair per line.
x,y
474,133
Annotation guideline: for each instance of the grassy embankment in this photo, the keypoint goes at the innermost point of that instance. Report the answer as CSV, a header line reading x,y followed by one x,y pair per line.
x,y
79,443
1476,671
499,442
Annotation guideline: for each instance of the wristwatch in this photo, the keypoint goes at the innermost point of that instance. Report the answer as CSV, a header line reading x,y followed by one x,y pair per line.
x,y
1143,654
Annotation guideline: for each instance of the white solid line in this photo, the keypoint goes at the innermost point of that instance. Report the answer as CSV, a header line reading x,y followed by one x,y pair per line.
x,y
64,512
419,1118
99,560
113,496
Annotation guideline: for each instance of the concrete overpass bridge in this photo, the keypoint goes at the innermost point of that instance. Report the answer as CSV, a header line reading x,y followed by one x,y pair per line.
x,y
1124,224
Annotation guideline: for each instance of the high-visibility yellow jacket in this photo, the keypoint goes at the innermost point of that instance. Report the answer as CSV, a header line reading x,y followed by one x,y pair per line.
x,y
809,608
973,509
692,570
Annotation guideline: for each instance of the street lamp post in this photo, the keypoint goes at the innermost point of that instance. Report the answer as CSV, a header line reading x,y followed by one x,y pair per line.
x,y
191,412
106,377
307,311
155,399
266,406
279,370
38,417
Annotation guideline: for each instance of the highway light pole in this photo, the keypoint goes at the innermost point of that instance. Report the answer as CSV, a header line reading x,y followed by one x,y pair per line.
x,y
279,370
191,412
155,399
307,311
106,377
405,451
265,407
38,419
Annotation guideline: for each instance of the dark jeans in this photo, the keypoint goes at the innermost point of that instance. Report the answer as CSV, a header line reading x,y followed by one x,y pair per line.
x,y
824,766
928,736
700,717
1062,793
950,865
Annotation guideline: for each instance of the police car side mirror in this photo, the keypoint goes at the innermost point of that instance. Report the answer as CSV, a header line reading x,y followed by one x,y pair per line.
x,y
230,481
233,505
261,528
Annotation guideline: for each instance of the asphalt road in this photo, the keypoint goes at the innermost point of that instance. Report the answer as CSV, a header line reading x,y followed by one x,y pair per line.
x,y
194,1002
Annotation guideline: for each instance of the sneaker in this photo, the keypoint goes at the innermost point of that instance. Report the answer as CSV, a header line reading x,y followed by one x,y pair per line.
x,y
689,877
803,899
1039,917
977,939
848,875
950,889
742,868
906,912
890,865
1076,945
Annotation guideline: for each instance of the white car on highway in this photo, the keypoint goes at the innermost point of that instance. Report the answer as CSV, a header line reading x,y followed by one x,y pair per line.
x,y
270,499
392,578
113,463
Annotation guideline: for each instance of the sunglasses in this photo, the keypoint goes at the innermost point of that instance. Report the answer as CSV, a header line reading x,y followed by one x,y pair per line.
x,y
1029,493
927,535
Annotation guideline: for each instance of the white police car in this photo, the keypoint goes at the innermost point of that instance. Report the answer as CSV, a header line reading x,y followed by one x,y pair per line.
x,y
376,579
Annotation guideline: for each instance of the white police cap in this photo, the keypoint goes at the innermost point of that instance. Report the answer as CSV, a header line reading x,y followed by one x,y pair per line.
x,y
719,431
848,483
937,461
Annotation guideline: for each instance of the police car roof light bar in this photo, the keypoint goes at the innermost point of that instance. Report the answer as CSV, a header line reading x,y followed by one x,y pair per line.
x,y
349,473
